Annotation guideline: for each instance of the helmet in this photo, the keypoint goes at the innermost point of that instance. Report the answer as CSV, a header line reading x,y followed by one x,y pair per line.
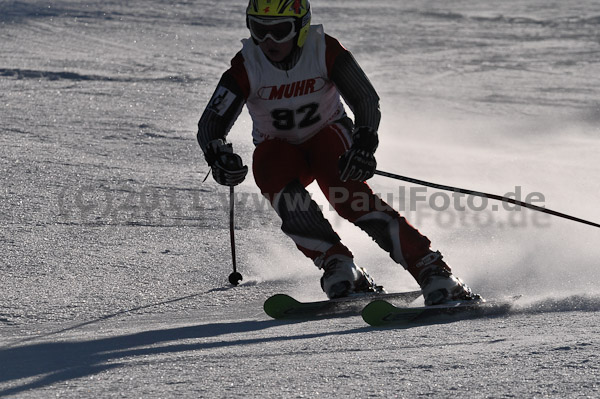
x,y
262,14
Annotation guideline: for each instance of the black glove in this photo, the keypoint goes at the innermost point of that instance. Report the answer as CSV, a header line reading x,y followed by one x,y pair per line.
x,y
358,163
227,166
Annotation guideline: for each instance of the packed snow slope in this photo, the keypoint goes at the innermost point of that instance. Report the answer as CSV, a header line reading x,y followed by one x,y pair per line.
x,y
115,253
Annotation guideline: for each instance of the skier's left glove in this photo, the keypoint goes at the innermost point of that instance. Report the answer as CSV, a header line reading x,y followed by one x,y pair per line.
x,y
227,166
358,163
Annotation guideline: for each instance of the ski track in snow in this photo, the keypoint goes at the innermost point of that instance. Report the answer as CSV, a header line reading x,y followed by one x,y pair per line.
x,y
115,255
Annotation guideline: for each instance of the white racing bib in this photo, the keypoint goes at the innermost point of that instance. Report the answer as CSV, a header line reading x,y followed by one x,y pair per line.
x,y
291,105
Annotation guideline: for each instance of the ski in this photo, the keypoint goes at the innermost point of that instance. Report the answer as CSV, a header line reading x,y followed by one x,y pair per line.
x,y
282,306
381,313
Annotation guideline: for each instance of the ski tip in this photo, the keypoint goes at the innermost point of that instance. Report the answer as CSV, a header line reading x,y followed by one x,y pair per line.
x,y
376,311
277,305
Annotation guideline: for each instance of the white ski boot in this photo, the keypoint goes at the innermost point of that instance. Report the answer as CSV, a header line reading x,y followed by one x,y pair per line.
x,y
438,283
342,278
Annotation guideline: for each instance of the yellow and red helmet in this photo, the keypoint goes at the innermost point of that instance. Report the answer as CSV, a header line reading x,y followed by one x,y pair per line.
x,y
279,20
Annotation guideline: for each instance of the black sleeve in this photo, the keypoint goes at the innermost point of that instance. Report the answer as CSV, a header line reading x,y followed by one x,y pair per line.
x,y
221,112
357,90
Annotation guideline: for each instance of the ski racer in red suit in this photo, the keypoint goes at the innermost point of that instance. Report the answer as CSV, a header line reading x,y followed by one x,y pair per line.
x,y
290,75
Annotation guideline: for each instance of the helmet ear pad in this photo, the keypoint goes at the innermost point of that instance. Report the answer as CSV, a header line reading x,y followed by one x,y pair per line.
x,y
302,30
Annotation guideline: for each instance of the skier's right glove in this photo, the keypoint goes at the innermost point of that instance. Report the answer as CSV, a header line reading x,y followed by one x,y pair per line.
x,y
358,163
227,166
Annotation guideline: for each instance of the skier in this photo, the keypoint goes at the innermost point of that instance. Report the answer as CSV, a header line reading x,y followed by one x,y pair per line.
x,y
290,75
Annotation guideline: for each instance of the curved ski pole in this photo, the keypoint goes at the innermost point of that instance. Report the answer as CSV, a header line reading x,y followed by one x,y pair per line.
x,y
485,195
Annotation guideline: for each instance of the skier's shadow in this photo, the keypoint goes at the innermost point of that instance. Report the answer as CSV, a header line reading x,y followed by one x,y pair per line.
x,y
55,362
62,361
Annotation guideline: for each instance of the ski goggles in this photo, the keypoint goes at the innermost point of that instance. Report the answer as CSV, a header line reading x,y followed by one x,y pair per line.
x,y
277,29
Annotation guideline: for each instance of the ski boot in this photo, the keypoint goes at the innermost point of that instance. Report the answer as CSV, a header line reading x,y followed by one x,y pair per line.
x,y
438,283
342,278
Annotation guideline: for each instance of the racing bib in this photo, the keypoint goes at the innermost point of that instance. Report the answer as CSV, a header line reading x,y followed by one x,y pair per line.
x,y
291,105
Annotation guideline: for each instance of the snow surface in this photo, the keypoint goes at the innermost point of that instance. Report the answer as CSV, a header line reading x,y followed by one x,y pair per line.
x,y
115,256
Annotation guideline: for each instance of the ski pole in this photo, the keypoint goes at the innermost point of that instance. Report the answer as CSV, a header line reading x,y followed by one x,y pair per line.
x,y
484,195
235,277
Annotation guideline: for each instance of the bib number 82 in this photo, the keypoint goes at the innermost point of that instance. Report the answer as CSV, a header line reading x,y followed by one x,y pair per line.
x,y
285,119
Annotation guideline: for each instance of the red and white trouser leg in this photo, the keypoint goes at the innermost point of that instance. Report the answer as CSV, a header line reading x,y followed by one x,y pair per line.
x,y
283,170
